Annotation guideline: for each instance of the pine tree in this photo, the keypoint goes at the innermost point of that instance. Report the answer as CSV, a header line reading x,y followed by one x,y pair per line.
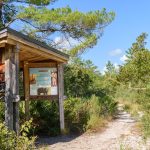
x,y
136,70
139,45
110,69
36,18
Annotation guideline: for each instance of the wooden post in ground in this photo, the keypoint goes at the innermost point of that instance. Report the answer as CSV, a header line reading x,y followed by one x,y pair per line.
x,y
11,88
16,89
26,89
8,94
61,96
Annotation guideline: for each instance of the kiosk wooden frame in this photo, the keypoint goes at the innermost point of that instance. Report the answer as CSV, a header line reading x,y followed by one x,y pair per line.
x,y
19,51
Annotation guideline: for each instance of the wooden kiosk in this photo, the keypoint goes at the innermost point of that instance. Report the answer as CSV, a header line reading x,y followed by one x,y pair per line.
x,y
42,74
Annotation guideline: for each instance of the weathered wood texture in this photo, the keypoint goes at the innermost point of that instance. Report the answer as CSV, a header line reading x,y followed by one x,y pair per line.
x,y
8,96
43,65
1,56
16,90
11,88
45,97
61,95
31,51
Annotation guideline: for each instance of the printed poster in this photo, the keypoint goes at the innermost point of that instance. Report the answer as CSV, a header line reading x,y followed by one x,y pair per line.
x,y
43,81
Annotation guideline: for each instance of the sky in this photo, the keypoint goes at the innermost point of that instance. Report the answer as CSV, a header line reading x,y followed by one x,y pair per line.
x,y
132,18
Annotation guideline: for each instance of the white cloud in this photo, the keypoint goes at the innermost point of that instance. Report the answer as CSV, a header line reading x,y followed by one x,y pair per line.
x,y
105,69
116,66
123,58
63,43
58,39
115,52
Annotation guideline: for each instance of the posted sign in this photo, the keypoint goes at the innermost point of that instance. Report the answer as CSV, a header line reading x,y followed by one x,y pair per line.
x,y
43,81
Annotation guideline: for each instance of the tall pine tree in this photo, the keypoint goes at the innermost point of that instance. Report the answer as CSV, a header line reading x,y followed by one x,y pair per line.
x,y
41,20
136,70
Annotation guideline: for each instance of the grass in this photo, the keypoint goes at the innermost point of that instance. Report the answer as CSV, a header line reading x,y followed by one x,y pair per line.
x,y
137,103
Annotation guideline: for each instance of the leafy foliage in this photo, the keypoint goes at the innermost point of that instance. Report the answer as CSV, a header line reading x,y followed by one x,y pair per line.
x,y
82,79
139,45
76,114
86,114
10,141
45,117
137,68
134,78
2,110
109,79
87,101
146,125
77,79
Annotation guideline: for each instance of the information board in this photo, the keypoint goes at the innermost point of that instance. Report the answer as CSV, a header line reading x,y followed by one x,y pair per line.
x,y
43,81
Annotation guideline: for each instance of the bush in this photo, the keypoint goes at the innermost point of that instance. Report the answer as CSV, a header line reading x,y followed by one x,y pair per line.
x,y
145,123
95,113
145,107
87,114
124,93
76,114
2,110
137,102
45,117
10,141
130,98
81,114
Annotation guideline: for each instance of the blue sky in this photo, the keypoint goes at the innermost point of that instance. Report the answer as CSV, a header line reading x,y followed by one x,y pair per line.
x,y
132,18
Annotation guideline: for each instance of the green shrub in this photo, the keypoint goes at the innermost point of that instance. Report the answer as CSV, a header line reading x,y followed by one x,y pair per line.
x,y
136,101
109,106
145,107
45,116
10,141
99,110
86,114
124,93
145,122
95,113
2,111
76,114
130,98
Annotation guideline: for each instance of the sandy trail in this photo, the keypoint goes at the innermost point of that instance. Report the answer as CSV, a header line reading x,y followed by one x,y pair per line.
x,y
120,134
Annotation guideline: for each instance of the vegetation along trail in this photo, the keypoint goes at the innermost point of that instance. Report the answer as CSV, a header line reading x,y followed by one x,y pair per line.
x,y
119,134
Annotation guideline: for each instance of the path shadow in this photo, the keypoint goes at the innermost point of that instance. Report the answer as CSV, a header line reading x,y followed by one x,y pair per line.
x,y
46,140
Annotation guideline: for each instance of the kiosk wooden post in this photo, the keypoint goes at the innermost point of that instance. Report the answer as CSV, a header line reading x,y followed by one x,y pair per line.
x,y
26,88
8,88
12,87
16,89
61,96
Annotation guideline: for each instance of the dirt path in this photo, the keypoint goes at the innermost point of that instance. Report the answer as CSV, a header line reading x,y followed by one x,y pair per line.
x,y
120,134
